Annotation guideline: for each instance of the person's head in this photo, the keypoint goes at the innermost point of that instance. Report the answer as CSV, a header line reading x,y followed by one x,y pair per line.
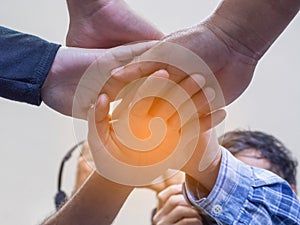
x,y
262,150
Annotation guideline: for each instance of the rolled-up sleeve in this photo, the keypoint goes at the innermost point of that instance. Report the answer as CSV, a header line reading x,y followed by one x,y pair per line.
x,y
245,195
25,61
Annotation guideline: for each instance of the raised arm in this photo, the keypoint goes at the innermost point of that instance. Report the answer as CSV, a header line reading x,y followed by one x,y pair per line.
x,y
256,194
97,202
235,37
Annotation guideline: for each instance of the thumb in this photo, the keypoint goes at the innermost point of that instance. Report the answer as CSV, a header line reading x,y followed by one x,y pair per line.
x,y
98,122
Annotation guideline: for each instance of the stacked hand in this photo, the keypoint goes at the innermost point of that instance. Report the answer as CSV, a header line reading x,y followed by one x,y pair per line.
x,y
152,129
93,24
105,24
69,67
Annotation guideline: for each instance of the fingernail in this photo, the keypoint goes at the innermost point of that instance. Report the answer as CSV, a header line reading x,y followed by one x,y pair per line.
x,y
210,93
114,71
199,79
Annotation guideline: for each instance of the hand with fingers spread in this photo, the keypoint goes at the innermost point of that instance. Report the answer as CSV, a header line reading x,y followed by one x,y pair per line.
x,y
155,127
105,24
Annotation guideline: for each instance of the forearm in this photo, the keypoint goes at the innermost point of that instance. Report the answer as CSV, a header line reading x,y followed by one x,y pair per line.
x,y
252,26
97,202
206,179
235,37
268,197
247,27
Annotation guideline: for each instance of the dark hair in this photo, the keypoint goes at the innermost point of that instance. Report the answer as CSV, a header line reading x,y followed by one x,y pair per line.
x,y
271,148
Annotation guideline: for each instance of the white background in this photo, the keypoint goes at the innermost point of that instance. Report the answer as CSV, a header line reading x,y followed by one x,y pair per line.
x,y
34,139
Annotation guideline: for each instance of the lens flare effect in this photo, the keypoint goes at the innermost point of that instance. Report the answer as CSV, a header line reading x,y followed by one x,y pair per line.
x,y
155,126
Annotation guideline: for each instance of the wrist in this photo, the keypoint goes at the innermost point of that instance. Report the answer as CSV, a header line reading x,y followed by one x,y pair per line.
x,y
240,41
207,178
250,27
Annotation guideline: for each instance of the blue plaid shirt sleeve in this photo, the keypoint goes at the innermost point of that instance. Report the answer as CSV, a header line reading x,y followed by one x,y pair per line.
x,y
245,195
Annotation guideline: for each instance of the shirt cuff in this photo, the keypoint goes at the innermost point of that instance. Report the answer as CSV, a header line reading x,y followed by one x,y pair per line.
x,y
231,190
25,63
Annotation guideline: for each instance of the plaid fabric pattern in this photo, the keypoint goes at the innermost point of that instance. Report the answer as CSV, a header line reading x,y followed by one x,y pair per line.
x,y
245,195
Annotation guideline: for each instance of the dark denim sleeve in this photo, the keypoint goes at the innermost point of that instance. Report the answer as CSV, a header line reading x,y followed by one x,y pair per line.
x,y
25,61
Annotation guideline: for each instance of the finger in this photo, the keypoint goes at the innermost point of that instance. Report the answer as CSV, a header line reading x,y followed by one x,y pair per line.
x,y
178,94
173,201
127,53
152,86
98,121
113,87
134,71
164,195
124,98
140,91
206,122
132,113
115,58
193,83
212,120
102,109
180,213
175,178
190,221
203,100
96,76
201,106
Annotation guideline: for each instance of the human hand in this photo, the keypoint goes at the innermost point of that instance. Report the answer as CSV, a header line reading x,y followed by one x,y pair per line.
x,y
146,134
106,23
173,209
85,166
235,37
232,68
169,178
68,68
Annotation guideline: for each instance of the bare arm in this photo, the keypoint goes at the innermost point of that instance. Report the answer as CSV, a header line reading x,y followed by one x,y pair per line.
x,y
97,202
235,37
252,26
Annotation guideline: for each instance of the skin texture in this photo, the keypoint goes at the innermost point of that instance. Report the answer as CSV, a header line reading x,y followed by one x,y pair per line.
x,y
171,202
71,63
90,206
231,49
93,24
173,209
105,24
233,39
227,42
